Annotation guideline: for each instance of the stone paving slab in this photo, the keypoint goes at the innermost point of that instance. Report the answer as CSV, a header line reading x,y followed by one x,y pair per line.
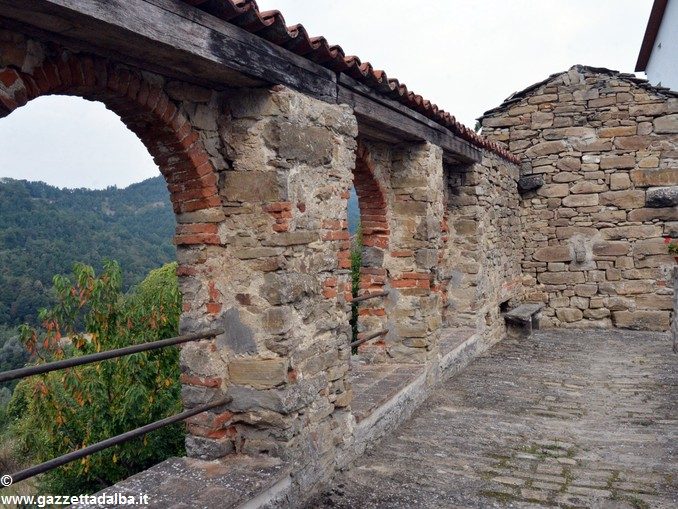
x,y
562,419
375,384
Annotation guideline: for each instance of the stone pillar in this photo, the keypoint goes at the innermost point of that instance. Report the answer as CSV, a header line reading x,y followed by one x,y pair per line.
x,y
280,281
480,267
413,307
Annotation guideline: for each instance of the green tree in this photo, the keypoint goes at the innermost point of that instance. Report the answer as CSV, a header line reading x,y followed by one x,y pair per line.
x,y
65,410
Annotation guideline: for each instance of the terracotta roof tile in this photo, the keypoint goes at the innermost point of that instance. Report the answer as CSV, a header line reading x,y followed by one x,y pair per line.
x,y
271,26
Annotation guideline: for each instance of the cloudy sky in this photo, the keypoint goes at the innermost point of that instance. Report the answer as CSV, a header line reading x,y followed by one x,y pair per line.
x,y
464,55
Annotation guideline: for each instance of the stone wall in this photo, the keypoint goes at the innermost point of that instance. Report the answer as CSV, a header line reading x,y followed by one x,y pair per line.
x,y
283,279
479,266
401,249
259,179
605,147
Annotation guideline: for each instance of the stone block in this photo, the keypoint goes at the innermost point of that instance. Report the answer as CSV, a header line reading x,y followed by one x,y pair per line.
x,y
570,164
596,314
566,176
649,247
663,214
237,336
617,162
631,232
250,186
631,287
208,448
612,132
586,290
628,199
658,197
619,181
561,278
611,248
554,190
277,320
615,303
581,200
258,373
579,302
569,315
426,258
530,182
541,119
654,301
282,288
633,142
649,162
309,144
553,254
545,148
587,187
667,124
648,109
642,320
655,177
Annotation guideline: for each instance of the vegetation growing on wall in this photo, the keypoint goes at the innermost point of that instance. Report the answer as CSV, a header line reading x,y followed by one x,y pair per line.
x,y
356,264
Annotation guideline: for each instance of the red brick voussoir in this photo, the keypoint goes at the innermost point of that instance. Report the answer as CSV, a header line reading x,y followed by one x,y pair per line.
x,y
145,109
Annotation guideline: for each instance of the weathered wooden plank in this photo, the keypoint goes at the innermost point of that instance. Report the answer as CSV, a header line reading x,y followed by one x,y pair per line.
x,y
177,36
405,127
179,40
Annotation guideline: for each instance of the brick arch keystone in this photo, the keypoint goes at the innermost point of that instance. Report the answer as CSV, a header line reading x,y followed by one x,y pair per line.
x,y
146,110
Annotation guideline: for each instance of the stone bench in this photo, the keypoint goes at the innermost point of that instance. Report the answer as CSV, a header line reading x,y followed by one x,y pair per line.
x,y
521,321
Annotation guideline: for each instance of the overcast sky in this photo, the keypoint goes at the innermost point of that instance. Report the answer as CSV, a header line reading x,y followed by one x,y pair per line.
x,y
464,55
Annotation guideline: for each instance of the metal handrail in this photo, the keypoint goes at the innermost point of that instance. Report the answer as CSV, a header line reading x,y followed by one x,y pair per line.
x,y
365,339
101,356
110,442
124,437
368,296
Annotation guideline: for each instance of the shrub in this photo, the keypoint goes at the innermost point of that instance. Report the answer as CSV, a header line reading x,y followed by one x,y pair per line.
x,y
61,411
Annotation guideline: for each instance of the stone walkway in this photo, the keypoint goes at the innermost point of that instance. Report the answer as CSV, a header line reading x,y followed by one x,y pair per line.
x,y
564,419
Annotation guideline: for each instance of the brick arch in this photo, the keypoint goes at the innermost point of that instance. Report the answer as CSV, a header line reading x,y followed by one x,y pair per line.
x,y
146,110
375,232
372,201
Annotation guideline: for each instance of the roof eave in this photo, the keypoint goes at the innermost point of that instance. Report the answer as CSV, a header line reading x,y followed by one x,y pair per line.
x,y
653,24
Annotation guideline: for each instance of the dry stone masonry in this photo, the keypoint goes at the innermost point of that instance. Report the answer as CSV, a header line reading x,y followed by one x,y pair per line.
x,y
599,192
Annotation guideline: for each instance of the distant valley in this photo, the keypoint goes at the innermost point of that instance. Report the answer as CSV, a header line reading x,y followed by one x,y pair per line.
x,y
44,230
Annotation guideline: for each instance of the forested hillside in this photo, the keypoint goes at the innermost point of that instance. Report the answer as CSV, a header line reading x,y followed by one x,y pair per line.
x,y
44,230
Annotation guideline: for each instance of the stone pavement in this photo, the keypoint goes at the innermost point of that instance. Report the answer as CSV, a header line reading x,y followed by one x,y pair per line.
x,y
563,419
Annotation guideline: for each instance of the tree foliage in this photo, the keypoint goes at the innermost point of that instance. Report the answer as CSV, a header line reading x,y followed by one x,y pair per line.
x,y
61,411
44,230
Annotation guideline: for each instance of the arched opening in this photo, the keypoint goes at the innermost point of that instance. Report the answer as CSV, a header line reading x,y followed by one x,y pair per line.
x,y
372,240
162,125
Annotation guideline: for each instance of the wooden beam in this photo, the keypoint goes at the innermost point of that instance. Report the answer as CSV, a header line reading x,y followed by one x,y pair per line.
x,y
176,39
406,125
177,36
